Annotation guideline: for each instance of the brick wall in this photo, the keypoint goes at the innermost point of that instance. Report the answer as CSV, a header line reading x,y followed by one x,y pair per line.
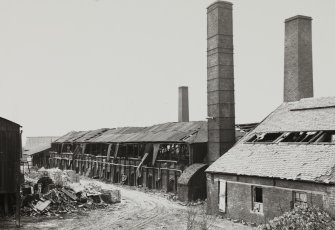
x,y
239,202
212,195
276,200
329,201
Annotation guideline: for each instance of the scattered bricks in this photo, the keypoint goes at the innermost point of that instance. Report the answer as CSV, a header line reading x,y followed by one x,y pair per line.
x,y
95,198
111,196
29,198
69,194
72,176
41,205
252,224
26,190
76,187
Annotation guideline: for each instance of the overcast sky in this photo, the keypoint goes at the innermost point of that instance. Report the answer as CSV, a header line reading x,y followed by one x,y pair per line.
x,y
86,64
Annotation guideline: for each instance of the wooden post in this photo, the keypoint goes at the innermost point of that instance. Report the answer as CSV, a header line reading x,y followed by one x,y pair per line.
x,y
6,204
109,152
18,183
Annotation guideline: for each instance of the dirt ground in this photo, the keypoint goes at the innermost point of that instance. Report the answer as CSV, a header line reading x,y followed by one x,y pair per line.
x,y
137,210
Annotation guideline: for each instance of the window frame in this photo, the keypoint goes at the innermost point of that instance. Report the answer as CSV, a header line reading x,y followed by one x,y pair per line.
x,y
300,201
257,207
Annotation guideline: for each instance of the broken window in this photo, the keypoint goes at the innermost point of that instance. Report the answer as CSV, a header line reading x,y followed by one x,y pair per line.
x,y
257,199
327,136
300,199
264,137
303,137
294,137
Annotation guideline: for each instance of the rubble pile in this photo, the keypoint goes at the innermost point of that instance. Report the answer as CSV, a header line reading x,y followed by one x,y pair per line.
x,y
58,192
301,218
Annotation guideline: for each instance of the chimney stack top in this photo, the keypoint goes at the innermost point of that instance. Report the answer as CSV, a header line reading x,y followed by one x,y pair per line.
x,y
298,17
218,3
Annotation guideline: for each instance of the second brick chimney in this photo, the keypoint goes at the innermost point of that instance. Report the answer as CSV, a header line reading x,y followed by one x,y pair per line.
x,y
298,63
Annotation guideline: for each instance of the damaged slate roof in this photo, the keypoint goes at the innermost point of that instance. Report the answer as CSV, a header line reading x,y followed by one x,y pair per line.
x,y
190,132
313,162
187,132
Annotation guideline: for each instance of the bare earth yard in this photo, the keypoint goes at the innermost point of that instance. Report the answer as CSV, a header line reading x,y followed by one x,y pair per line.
x,y
137,210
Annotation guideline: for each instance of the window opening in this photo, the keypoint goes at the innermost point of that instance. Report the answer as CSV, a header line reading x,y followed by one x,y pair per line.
x,y
294,137
282,137
257,201
265,137
309,136
328,136
303,137
300,199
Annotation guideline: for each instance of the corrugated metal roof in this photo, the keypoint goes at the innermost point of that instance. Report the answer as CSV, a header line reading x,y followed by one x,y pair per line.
x,y
37,149
71,136
309,162
38,144
90,135
32,142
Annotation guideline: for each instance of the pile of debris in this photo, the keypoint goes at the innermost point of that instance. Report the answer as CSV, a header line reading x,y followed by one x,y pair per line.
x,y
58,192
301,218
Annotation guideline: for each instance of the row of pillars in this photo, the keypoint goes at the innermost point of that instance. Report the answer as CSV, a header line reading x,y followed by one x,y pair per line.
x,y
126,172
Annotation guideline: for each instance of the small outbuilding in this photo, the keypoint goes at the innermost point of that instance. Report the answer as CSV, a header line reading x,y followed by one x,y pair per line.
x,y
287,160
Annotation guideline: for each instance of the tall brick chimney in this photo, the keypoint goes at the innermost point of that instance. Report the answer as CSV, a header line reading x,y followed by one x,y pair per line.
x,y
183,114
298,63
220,79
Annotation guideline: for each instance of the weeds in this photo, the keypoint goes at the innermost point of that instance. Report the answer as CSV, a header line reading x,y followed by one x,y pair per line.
x,y
197,218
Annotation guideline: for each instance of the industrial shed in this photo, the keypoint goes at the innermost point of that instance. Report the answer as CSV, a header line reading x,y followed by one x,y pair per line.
x,y
153,157
36,150
10,153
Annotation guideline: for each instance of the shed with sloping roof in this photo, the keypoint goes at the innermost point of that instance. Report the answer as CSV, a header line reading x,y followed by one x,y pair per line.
x,y
288,159
36,150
